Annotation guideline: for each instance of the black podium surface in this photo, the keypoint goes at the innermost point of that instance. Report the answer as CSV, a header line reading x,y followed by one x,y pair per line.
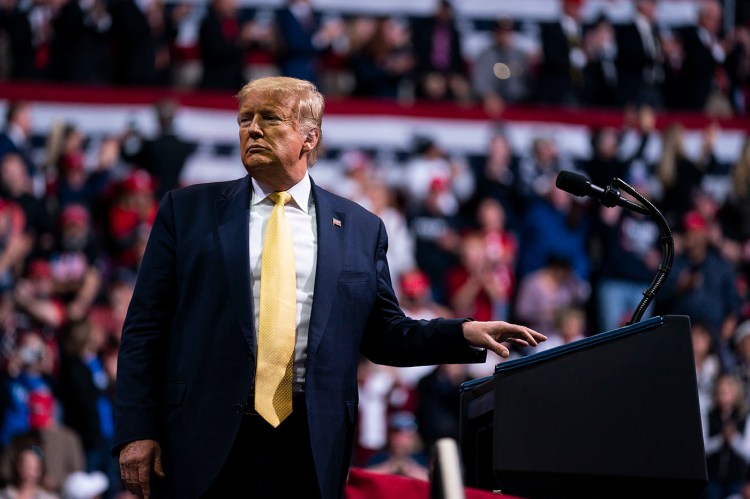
x,y
612,415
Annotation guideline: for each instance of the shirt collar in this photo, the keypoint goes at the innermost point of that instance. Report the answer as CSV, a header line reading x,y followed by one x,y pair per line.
x,y
300,193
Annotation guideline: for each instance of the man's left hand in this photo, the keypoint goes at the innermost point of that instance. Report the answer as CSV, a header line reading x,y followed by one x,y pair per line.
x,y
490,334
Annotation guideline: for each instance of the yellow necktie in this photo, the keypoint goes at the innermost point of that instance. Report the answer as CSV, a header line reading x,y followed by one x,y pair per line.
x,y
277,317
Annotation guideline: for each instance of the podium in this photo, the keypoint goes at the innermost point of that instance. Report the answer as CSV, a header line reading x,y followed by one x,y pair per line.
x,y
612,415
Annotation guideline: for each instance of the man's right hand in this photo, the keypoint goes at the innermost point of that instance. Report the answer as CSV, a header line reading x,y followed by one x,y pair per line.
x,y
136,460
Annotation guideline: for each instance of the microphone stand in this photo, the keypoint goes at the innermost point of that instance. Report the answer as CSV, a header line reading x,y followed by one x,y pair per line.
x,y
667,244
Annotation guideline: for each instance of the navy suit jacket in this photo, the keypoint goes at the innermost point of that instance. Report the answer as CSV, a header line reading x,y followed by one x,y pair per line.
x,y
187,359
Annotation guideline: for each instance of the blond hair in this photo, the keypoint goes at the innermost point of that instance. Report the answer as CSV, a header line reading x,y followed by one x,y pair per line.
x,y
308,108
672,152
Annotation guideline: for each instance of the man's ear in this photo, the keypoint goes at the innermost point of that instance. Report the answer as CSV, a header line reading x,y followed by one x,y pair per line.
x,y
311,140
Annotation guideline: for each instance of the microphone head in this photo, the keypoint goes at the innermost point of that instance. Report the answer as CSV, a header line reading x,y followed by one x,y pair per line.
x,y
574,183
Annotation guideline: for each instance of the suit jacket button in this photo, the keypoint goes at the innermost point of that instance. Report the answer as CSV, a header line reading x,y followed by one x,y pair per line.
x,y
239,408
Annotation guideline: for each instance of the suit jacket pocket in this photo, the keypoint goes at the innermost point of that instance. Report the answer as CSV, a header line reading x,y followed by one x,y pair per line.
x,y
353,276
174,393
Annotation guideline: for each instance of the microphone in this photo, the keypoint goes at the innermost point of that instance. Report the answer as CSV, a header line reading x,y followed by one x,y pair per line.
x,y
580,186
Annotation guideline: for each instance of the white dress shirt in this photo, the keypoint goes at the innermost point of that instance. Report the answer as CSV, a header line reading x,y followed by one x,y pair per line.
x,y
300,213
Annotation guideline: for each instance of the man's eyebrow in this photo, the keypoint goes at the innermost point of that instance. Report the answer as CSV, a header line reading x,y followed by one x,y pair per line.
x,y
264,110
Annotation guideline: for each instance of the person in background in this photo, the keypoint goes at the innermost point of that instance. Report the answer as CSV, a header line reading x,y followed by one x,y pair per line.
x,y
430,163
416,299
702,285
133,45
436,239
630,258
400,241
496,176
75,183
707,367
16,185
501,249
61,449
374,386
440,402
78,47
440,71
538,170
163,156
35,297
704,52
222,39
737,206
27,374
570,326
640,58
501,74
75,271
87,399
304,38
726,441
401,456
131,218
605,163
554,225
16,28
741,343
383,63
14,242
16,138
560,79
545,292
26,481
475,288
680,175
600,73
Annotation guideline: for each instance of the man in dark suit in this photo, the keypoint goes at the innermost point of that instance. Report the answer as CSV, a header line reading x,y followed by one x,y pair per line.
x,y
16,138
194,369
221,38
639,58
703,54
560,79
163,156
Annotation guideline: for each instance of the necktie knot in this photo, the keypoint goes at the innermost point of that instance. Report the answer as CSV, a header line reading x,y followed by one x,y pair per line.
x,y
280,197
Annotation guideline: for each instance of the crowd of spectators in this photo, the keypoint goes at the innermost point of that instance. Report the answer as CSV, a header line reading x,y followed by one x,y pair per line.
x,y
486,236
569,61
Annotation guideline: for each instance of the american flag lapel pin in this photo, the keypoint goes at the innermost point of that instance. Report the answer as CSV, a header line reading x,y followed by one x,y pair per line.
x,y
337,222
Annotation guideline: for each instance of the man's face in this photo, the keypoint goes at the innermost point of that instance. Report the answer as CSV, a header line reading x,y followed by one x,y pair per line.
x,y
272,147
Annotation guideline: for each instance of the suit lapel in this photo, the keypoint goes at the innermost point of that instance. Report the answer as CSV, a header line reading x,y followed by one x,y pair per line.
x,y
233,218
331,226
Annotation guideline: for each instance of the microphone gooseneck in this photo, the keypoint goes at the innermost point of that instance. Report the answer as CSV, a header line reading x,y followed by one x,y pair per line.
x,y
579,185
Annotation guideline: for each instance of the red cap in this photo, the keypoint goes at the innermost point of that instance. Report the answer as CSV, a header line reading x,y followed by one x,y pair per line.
x,y
39,268
74,214
414,283
694,221
138,181
439,184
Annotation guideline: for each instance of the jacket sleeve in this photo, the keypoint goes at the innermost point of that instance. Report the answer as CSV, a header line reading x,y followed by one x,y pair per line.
x,y
147,324
394,339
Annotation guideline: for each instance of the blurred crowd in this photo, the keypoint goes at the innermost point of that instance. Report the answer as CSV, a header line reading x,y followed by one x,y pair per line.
x,y
486,236
219,45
